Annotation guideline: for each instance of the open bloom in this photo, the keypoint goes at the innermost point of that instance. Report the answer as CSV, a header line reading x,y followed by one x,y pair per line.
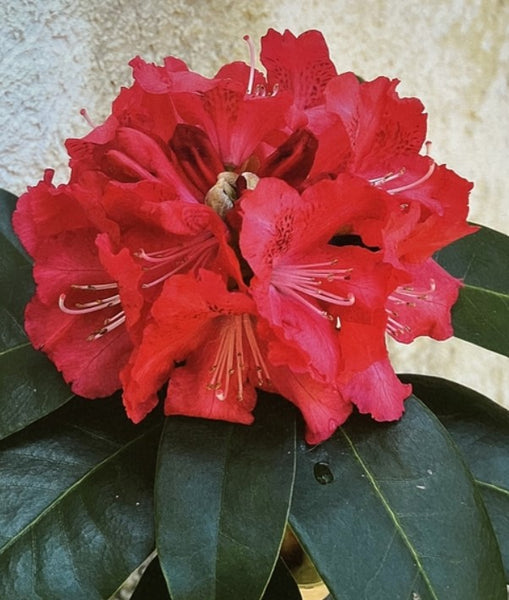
x,y
245,232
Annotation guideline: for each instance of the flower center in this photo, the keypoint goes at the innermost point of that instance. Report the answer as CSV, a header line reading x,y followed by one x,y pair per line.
x,y
302,282
238,351
222,195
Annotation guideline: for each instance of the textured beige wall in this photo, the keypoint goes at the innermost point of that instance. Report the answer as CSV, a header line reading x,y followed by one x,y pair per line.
x,y
57,56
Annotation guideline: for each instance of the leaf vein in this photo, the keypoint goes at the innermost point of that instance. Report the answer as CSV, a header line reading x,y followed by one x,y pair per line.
x,y
391,514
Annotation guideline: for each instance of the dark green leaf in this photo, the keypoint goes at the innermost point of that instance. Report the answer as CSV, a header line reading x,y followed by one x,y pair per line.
x,y
481,314
398,517
222,496
282,585
7,206
30,386
152,585
480,429
76,502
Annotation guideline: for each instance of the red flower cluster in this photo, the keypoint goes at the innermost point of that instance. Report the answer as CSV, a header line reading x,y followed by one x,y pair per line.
x,y
244,232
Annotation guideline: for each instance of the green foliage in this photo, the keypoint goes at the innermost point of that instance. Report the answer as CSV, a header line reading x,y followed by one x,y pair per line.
x,y
398,516
480,429
76,502
223,491
481,313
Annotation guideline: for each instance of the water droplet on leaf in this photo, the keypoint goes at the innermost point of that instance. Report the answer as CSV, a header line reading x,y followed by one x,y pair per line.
x,y
322,473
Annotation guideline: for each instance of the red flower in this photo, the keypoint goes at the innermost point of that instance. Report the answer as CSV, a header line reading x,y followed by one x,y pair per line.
x,y
245,232
77,301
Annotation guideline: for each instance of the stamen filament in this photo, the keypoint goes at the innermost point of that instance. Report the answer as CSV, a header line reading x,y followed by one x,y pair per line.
x,y
411,292
414,184
394,327
89,306
261,367
109,325
230,358
95,286
297,282
98,301
389,177
197,253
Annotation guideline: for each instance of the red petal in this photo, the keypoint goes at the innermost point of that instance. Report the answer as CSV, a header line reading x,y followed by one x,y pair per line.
x,y
423,305
235,123
324,409
178,325
91,366
45,211
380,124
378,391
190,393
298,64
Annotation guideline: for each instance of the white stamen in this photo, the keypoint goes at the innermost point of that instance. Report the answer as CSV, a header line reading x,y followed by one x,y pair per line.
x,y
95,286
306,280
385,178
405,295
88,307
194,254
230,358
394,327
83,308
414,184
411,292
109,325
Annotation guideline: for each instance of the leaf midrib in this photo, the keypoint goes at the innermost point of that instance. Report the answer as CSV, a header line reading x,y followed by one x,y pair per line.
x,y
56,502
391,514
502,295
492,486
14,348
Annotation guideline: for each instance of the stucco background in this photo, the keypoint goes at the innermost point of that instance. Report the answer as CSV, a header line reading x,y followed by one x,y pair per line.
x,y
57,56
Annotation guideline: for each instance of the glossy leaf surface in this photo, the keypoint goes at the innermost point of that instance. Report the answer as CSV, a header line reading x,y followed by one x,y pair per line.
x,y
76,502
481,314
222,497
389,511
480,429
152,585
30,386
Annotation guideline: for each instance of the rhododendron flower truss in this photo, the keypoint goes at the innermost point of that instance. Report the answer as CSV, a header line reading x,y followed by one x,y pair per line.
x,y
248,231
